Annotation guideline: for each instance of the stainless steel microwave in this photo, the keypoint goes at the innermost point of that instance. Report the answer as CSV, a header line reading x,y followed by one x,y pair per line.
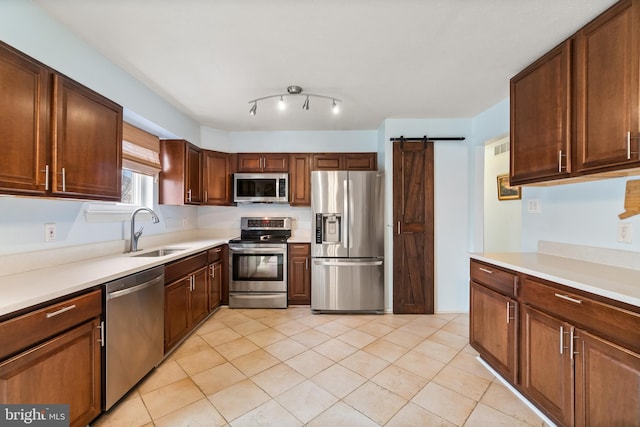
x,y
261,188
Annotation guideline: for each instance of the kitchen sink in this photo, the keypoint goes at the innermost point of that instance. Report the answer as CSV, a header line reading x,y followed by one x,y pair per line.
x,y
160,252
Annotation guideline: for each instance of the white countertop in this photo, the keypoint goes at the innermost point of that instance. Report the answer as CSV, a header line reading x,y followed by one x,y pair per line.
x,y
22,290
620,284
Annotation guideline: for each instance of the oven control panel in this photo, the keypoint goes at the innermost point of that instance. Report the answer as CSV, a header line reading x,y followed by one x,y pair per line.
x,y
262,223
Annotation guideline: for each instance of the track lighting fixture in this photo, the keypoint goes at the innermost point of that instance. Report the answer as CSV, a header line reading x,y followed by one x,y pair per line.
x,y
295,91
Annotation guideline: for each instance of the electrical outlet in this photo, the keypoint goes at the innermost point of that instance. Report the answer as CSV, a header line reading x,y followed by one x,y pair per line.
x,y
533,206
624,232
49,232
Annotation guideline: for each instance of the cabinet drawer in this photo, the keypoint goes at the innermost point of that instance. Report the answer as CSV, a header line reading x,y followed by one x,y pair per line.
x,y
184,267
214,254
495,278
299,249
615,323
24,331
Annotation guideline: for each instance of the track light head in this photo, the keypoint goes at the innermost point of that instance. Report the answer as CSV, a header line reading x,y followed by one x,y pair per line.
x,y
305,106
335,107
253,109
281,104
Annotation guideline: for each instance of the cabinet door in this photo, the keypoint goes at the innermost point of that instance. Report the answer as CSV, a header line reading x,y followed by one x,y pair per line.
x,y
249,162
63,370
24,112
215,284
217,178
275,162
176,312
86,143
607,58
547,364
361,161
299,274
540,117
198,297
607,383
328,162
193,182
300,179
492,329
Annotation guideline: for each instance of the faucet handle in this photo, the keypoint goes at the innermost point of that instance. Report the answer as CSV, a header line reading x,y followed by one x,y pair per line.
x,y
139,232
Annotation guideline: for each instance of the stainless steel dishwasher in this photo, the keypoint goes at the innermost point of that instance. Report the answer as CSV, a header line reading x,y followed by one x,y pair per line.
x,y
134,316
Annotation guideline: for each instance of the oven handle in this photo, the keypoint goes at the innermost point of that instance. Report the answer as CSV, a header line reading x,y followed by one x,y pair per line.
x,y
262,249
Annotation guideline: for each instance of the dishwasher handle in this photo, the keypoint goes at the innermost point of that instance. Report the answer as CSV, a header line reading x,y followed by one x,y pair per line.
x,y
127,291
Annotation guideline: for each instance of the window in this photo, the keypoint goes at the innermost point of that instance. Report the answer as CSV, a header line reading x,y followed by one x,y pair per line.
x,y
137,188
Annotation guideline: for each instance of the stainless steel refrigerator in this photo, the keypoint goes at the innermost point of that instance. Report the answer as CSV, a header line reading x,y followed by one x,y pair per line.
x,y
347,245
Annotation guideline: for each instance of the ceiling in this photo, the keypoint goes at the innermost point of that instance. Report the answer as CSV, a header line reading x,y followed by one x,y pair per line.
x,y
382,58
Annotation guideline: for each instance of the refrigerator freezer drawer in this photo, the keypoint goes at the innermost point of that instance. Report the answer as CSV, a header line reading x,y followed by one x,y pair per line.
x,y
347,285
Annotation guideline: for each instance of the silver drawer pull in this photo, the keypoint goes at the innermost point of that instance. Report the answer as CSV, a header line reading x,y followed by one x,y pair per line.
x,y
568,298
62,310
485,270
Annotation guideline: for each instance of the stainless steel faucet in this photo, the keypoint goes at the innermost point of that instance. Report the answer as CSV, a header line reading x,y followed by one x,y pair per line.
x,y
135,235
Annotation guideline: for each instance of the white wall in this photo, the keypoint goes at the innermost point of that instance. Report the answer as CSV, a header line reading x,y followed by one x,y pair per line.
x,y
451,199
502,218
581,214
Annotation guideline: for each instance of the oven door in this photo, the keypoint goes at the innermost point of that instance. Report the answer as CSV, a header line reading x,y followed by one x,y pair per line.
x,y
258,268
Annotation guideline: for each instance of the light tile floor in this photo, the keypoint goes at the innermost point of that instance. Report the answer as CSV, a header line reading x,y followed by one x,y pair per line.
x,y
292,368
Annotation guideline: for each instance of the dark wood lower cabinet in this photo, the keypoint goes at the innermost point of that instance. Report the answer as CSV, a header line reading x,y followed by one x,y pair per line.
x,y
493,329
63,370
176,313
299,280
607,383
547,365
199,297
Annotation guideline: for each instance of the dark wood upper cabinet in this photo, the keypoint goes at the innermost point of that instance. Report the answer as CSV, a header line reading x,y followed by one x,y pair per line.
x,y
57,137
216,178
181,175
576,111
607,78
87,143
260,162
300,179
344,161
540,113
24,123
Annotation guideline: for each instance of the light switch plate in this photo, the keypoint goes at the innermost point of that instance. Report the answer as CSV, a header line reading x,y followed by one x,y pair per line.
x,y
624,232
533,206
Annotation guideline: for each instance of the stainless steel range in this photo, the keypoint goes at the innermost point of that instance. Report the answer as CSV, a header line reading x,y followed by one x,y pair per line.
x,y
258,263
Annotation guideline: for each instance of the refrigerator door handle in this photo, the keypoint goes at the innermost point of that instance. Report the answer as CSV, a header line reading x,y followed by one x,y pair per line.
x,y
346,213
334,263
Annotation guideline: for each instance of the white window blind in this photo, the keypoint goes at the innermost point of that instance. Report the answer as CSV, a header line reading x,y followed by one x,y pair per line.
x,y
140,150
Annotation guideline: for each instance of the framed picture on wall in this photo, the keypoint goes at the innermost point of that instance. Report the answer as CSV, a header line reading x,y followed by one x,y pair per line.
x,y
505,191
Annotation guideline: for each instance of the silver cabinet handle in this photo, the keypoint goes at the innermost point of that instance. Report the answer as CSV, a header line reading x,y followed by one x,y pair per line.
x,y
508,308
188,195
101,339
568,298
64,180
398,227
46,177
560,156
571,337
485,270
206,196
628,145
62,310
561,339
306,263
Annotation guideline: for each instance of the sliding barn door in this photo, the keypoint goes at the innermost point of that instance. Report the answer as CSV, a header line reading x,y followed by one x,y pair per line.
x,y
413,221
